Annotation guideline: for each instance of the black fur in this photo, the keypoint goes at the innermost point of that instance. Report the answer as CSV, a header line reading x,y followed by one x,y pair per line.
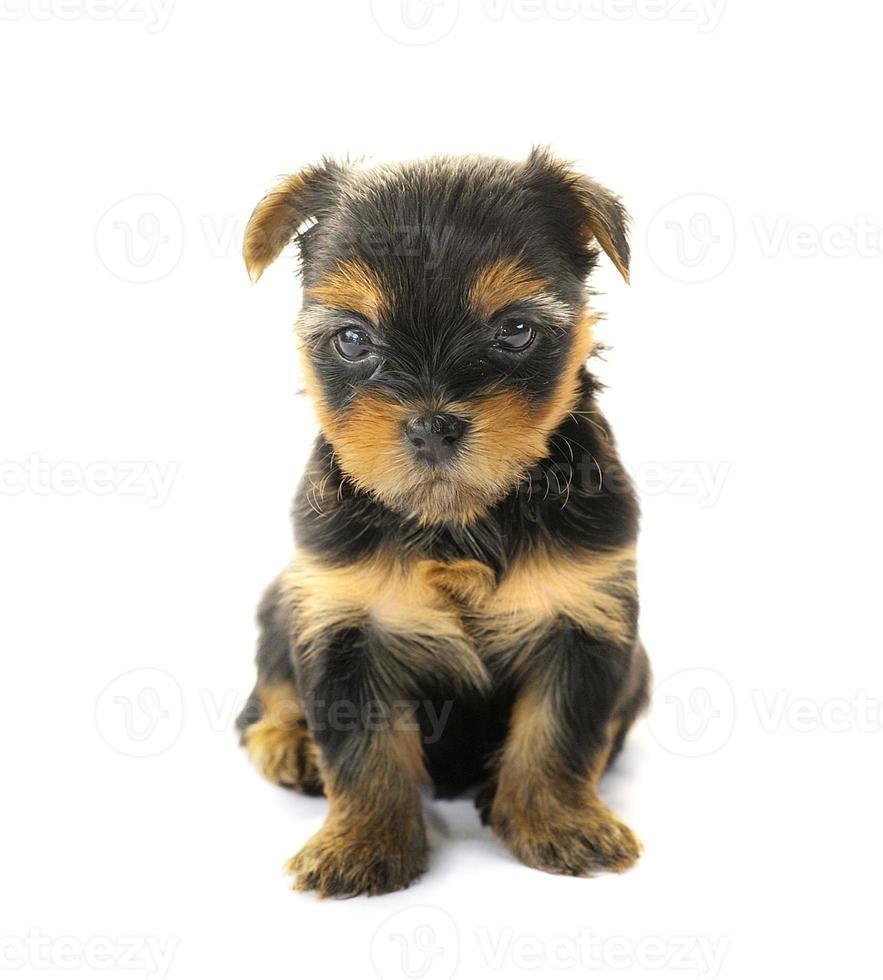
x,y
425,230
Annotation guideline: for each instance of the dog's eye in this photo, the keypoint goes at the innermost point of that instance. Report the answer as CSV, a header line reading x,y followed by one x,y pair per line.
x,y
515,335
353,343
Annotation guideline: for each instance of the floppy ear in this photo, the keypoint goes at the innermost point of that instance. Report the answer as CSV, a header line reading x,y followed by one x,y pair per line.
x,y
601,217
277,217
606,220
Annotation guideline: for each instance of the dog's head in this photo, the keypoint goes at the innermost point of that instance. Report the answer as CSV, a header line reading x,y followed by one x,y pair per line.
x,y
444,327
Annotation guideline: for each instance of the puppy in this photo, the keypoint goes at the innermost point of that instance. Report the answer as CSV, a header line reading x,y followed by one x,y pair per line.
x,y
461,606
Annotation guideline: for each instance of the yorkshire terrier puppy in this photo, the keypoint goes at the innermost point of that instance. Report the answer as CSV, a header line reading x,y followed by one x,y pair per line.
x,y
461,607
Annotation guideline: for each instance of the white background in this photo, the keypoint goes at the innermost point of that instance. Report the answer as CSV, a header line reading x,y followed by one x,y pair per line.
x,y
744,139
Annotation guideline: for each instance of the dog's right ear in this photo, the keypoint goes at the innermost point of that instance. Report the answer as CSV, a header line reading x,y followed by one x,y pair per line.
x,y
275,221
600,218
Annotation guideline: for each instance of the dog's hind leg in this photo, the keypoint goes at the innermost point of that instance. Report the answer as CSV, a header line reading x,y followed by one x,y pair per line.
x,y
634,704
273,723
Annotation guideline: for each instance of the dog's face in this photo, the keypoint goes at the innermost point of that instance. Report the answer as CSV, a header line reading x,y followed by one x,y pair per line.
x,y
444,327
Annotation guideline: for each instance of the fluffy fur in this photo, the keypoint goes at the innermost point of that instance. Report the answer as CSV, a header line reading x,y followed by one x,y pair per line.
x,y
474,622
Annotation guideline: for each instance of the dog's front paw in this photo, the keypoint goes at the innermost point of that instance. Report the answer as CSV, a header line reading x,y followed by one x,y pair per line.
x,y
341,862
580,842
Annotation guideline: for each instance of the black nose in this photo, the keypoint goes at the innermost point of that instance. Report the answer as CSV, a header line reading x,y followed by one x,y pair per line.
x,y
434,437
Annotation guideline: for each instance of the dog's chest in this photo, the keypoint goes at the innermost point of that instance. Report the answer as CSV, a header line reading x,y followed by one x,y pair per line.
x,y
494,617
456,617
506,619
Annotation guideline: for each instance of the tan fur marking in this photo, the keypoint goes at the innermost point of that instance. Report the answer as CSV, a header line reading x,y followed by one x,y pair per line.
x,y
419,606
280,705
466,581
369,444
591,591
529,748
546,817
272,225
401,601
373,839
502,283
529,753
279,743
593,197
352,286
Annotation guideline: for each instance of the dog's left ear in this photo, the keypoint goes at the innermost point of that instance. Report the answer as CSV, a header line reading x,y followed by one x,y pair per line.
x,y
294,200
596,212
